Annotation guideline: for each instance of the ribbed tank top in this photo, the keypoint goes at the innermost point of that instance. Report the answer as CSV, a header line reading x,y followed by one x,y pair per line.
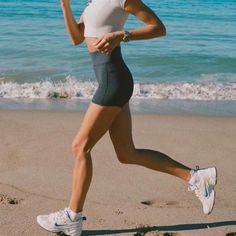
x,y
104,16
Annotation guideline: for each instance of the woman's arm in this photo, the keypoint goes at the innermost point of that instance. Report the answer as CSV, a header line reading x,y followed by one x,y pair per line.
x,y
153,27
74,30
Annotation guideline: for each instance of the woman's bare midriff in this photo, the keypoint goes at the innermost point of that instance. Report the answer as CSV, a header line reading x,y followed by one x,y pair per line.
x,y
90,41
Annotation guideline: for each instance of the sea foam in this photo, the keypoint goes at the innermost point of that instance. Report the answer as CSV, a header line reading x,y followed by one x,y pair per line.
x,y
72,88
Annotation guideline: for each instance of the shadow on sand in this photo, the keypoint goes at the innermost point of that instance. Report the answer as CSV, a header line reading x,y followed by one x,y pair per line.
x,y
144,230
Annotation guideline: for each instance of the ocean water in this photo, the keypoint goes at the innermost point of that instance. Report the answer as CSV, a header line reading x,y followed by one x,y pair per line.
x,y
194,64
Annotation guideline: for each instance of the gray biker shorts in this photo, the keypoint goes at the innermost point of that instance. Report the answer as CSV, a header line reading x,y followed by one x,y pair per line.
x,y
115,81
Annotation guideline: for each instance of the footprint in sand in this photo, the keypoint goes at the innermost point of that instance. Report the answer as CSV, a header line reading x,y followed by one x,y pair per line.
x,y
4,199
148,202
119,212
165,204
160,203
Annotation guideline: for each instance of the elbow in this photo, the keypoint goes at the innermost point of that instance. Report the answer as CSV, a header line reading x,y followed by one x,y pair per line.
x,y
160,30
163,31
78,37
76,42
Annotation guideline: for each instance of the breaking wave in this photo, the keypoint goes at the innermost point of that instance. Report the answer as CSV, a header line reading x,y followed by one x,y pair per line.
x,y
72,88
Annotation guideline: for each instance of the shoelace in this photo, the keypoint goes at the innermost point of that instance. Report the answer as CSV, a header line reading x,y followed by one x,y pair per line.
x,y
59,215
196,190
199,192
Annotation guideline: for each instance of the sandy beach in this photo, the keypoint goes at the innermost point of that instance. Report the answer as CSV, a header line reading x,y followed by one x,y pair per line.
x,y
36,168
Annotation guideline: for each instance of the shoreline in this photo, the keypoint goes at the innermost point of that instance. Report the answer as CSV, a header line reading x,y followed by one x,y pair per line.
x,y
36,168
144,106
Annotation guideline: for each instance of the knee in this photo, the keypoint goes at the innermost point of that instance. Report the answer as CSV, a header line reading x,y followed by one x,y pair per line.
x,y
123,159
81,148
126,157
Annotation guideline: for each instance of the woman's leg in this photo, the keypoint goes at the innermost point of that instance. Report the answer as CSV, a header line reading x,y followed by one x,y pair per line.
x,y
202,181
96,122
121,136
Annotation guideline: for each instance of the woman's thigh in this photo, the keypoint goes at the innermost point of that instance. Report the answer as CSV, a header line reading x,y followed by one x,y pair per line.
x,y
96,122
121,134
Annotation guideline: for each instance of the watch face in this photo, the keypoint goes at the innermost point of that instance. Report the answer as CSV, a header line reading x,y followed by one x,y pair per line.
x,y
126,37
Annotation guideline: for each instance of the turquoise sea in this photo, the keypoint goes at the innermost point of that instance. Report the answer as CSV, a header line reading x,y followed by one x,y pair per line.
x,y
191,70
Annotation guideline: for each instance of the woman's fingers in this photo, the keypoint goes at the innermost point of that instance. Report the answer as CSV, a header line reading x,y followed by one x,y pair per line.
x,y
100,43
106,43
108,50
97,41
105,50
104,46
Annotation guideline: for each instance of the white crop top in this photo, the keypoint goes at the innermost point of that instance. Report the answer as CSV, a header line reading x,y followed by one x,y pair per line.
x,y
103,16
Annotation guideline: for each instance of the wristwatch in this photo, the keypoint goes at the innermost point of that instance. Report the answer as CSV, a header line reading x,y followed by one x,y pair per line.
x,y
126,37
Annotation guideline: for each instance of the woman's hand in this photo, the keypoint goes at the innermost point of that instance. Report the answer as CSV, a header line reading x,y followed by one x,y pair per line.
x,y
75,30
64,2
109,41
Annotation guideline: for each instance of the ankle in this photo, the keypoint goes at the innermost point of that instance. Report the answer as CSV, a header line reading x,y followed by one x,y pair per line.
x,y
193,177
74,216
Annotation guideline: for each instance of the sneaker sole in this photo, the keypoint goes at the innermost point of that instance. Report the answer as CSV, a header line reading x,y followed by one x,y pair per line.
x,y
49,230
212,204
213,177
216,175
59,230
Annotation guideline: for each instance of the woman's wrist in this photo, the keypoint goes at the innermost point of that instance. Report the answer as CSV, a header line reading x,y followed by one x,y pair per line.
x,y
65,3
124,35
120,35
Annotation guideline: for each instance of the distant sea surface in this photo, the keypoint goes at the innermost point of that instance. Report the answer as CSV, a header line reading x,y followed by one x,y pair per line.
x,y
191,70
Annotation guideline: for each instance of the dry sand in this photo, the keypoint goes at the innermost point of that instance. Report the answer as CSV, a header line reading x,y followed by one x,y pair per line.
x,y
36,168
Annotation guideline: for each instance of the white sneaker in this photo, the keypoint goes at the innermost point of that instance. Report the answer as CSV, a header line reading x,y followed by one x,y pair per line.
x,y
60,222
202,183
